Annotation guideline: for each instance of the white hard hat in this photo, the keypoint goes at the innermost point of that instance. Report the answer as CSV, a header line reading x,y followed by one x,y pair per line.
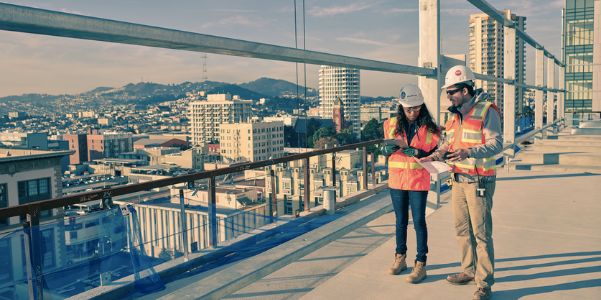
x,y
411,96
458,74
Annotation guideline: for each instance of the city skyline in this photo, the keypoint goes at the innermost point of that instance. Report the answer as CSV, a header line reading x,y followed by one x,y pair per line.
x,y
42,64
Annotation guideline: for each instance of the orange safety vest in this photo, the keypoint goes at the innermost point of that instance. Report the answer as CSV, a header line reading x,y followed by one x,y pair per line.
x,y
404,173
466,134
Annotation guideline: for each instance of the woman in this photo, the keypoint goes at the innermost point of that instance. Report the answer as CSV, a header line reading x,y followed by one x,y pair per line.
x,y
412,134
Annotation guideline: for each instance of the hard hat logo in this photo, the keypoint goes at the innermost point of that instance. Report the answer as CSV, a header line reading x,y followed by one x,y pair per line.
x,y
403,95
458,74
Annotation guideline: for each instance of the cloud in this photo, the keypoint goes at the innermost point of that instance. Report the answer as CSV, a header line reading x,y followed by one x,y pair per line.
x,y
339,10
235,21
458,11
362,41
394,11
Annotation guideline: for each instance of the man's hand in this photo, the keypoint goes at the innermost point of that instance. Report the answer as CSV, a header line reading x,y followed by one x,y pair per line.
x,y
458,155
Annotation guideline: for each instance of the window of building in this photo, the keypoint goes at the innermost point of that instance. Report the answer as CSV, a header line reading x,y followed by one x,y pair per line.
x,y
287,206
34,190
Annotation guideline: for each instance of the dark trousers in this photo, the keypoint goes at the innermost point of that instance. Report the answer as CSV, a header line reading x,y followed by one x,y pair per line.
x,y
401,201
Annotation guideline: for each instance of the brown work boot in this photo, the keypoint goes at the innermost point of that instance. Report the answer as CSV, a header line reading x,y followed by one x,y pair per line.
x,y
418,274
399,264
482,293
460,279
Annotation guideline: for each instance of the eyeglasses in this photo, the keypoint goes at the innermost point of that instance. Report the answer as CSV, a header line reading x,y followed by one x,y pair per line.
x,y
412,109
452,92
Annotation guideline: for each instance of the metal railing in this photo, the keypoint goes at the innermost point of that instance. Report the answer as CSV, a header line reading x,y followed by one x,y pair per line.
x,y
34,242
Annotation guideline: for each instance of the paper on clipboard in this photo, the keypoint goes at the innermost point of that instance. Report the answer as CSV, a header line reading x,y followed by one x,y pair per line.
x,y
435,167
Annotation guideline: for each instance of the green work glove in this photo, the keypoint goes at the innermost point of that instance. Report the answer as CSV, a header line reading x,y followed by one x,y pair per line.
x,y
411,152
388,149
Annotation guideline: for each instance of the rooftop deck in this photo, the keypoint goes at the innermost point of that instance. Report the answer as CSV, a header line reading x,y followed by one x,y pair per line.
x,y
547,246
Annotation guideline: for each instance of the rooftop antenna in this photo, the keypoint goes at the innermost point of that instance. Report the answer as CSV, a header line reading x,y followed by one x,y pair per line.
x,y
205,75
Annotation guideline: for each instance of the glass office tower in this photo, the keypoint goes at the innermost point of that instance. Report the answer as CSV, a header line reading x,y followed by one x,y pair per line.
x,y
578,26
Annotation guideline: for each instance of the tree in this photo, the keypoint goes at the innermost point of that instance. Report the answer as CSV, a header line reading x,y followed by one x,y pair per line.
x,y
322,133
312,126
322,142
347,136
372,130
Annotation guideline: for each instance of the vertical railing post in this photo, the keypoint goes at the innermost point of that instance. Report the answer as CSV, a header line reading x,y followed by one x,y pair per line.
x,y
437,187
539,94
333,169
307,186
364,179
550,94
273,205
183,223
561,108
212,213
373,169
33,257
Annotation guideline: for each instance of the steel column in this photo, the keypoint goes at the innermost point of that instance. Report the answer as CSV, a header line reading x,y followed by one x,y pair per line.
x,y
509,98
539,96
550,95
429,54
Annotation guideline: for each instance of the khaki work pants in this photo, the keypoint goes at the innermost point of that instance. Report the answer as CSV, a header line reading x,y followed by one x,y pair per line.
x,y
473,228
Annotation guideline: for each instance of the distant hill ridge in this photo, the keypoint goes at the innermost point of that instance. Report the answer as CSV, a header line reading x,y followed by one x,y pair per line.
x,y
144,92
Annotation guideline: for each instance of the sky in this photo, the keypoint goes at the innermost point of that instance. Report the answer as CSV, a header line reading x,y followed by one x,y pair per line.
x,y
385,30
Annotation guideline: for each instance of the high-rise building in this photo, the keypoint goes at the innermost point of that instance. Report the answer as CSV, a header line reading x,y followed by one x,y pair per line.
x,y
251,141
486,46
343,83
206,116
582,57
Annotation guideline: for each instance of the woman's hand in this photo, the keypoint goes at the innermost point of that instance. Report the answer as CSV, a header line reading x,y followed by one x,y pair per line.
x,y
426,159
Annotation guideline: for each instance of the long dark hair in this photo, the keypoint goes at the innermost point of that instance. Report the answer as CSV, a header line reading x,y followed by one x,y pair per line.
x,y
424,118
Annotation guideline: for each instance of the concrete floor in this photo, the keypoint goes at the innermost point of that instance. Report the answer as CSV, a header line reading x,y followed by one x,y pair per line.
x,y
547,242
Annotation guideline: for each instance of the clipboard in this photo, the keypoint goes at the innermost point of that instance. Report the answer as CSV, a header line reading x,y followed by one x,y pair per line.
x,y
397,142
435,167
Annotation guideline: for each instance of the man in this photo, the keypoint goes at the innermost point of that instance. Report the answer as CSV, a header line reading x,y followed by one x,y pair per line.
x,y
473,139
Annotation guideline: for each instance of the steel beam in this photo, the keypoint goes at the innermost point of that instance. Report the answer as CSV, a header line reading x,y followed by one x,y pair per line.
x,y
47,22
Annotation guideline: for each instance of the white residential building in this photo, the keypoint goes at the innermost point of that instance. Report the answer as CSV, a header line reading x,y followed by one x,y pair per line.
x,y
206,116
343,83
251,141
486,46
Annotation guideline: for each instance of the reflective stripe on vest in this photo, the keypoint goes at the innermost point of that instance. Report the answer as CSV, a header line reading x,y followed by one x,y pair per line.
x,y
391,127
403,165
